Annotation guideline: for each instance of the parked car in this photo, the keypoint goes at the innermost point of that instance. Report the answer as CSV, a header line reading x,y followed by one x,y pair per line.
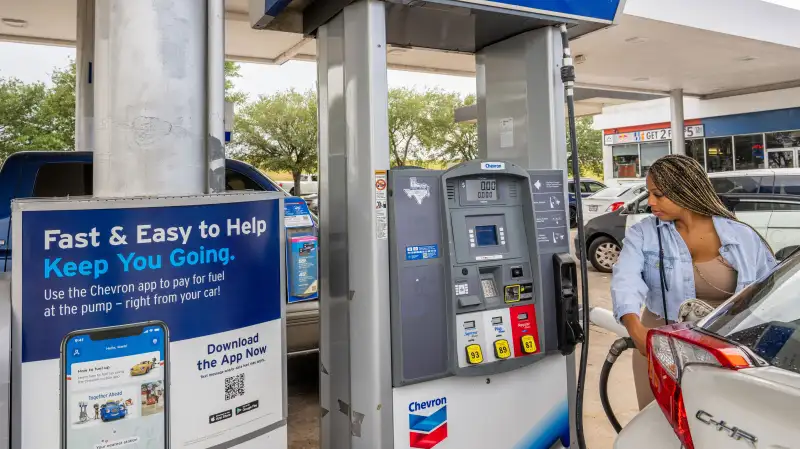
x,y
309,184
588,187
61,174
733,379
610,199
764,199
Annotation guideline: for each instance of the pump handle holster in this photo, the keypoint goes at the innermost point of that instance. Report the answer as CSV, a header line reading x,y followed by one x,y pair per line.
x,y
570,332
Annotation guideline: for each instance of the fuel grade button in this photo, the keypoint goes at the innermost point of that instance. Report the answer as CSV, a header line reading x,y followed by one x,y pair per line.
x,y
528,344
502,350
474,354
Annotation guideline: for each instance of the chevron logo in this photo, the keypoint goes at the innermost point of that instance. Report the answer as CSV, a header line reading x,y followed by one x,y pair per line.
x,y
429,429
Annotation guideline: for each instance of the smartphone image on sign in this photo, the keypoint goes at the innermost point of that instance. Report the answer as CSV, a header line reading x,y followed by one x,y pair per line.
x,y
115,387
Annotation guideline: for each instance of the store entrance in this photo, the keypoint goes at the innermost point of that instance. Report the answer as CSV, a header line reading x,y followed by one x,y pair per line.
x,y
782,158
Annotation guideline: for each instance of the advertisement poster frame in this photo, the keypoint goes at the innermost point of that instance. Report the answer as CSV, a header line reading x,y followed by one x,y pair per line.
x,y
276,430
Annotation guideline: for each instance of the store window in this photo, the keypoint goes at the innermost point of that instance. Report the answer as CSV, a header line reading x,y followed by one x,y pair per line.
x,y
749,151
651,152
626,161
719,154
695,150
785,139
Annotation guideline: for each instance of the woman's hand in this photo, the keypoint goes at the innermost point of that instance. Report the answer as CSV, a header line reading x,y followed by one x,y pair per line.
x,y
637,331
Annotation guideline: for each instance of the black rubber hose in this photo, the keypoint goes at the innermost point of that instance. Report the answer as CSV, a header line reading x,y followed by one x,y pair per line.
x,y
568,78
614,352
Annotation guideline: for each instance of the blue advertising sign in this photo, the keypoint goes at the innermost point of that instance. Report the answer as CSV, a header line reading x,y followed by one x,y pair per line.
x,y
301,247
422,252
160,321
593,10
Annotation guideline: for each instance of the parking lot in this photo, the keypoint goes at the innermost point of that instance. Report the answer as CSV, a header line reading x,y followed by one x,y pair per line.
x,y
304,388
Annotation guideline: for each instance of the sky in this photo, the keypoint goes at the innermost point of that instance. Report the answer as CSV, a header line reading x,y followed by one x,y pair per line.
x,y
36,62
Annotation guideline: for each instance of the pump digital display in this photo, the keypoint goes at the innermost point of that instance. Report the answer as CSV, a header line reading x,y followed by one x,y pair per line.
x,y
522,316
469,325
497,320
486,235
481,190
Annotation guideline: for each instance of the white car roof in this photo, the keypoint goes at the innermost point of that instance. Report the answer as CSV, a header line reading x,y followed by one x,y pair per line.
x,y
756,172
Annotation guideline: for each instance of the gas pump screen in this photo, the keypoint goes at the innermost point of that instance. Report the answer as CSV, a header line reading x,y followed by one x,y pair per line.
x,y
486,235
481,190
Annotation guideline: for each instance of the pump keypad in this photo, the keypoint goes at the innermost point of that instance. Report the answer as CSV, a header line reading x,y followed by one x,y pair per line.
x,y
528,344
502,350
474,354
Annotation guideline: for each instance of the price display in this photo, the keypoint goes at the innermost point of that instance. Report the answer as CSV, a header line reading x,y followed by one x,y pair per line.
x,y
481,190
501,349
528,344
474,354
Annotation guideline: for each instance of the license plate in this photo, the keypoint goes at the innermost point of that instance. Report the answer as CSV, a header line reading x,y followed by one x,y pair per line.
x,y
593,208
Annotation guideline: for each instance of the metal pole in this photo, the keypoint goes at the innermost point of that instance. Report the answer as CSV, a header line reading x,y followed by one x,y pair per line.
x,y
150,123
84,89
366,104
676,113
216,96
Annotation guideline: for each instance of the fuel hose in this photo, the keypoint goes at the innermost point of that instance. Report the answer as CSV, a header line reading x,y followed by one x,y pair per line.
x,y
619,346
568,78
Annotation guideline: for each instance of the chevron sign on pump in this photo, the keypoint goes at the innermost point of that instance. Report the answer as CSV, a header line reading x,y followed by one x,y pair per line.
x,y
427,422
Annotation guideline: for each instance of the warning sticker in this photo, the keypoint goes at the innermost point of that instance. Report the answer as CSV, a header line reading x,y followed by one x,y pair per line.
x,y
381,211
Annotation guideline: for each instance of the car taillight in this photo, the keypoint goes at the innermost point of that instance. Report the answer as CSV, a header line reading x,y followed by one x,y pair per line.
x,y
615,206
669,350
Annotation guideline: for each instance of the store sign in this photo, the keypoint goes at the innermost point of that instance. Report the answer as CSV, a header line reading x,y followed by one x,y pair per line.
x,y
690,132
589,10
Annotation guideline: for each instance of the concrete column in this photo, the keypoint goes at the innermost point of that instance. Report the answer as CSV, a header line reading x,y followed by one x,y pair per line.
x,y
150,125
216,96
356,379
84,87
676,117
334,267
521,101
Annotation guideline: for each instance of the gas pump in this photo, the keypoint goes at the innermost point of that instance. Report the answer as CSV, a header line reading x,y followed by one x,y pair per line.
x,y
301,252
483,307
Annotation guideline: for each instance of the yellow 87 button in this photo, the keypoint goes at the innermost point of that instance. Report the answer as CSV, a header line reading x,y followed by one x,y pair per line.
x,y
528,344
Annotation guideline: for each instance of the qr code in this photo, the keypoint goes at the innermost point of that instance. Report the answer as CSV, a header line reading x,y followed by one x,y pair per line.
x,y
234,386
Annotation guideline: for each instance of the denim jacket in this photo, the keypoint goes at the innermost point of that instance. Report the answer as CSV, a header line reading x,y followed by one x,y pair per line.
x,y
636,275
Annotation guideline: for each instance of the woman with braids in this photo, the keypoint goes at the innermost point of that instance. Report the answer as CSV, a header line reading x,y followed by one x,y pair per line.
x,y
707,254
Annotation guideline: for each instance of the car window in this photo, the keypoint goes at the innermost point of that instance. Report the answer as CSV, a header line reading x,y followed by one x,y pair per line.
x,y
238,181
786,207
595,187
765,317
787,185
63,179
736,184
642,207
753,206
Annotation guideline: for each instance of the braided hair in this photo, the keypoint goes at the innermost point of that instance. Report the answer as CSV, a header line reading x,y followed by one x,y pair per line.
x,y
684,181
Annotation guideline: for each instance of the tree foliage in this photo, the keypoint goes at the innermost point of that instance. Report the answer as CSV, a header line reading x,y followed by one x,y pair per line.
x,y
35,116
279,132
590,146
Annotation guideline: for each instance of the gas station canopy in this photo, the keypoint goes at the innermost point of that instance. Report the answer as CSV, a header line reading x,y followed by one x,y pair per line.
x,y
705,48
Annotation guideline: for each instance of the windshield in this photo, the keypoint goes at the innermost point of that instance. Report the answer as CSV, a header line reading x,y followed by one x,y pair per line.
x,y
765,317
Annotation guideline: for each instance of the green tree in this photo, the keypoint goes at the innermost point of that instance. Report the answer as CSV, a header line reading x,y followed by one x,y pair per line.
x,y
279,132
34,116
458,142
590,147
408,125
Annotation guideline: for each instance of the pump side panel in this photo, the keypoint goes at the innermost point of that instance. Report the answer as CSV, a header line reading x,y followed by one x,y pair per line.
x,y
418,295
522,409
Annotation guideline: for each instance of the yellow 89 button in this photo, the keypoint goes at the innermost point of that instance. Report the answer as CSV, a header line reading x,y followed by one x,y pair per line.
x,y
474,354
501,349
528,344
